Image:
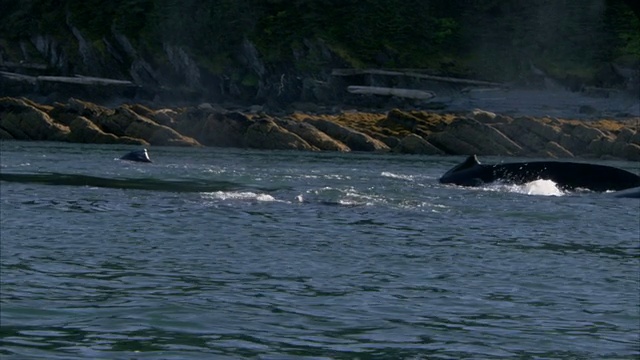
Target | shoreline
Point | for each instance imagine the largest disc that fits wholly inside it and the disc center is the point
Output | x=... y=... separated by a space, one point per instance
x=601 y=134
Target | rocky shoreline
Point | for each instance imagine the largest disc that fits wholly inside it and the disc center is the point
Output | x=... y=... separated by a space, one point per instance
x=403 y=131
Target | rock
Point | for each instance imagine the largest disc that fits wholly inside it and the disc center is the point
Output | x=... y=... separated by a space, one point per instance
x=635 y=138
x=166 y=117
x=631 y=152
x=532 y=135
x=66 y=113
x=625 y=135
x=125 y=122
x=215 y=129
x=555 y=150
x=390 y=141
x=85 y=131
x=584 y=133
x=312 y=135
x=355 y=140
x=483 y=116
x=5 y=135
x=480 y=138
x=415 y=132
x=415 y=144
x=397 y=119
x=22 y=121
x=266 y=134
x=578 y=138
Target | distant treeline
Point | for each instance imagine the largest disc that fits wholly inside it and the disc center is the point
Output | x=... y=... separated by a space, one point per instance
x=497 y=37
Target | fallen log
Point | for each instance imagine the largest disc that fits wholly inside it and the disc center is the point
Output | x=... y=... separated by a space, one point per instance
x=405 y=93
x=18 y=77
x=84 y=80
x=351 y=72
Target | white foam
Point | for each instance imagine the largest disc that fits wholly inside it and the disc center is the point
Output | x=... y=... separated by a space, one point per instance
x=542 y=187
x=396 y=176
x=536 y=187
x=238 y=195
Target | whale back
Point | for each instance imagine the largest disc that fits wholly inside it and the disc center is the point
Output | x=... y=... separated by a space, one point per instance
x=468 y=173
x=137 y=155
x=567 y=175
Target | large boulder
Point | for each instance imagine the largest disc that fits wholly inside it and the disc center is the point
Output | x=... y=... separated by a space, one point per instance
x=85 y=131
x=469 y=136
x=399 y=120
x=537 y=137
x=312 y=135
x=355 y=140
x=126 y=122
x=23 y=121
x=579 y=139
x=631 y=152
x=415 y=144
x=5 y=135
x=213 y=128
x=266 y=134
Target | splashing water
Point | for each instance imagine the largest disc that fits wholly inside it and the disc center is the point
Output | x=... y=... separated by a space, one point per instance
x=542 y=187
x=536 y=187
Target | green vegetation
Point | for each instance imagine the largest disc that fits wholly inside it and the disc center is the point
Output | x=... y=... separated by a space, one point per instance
x=491 y=39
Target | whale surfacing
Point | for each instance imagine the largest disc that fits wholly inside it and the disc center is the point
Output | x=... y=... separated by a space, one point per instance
x=137 y=155
x=567 y=175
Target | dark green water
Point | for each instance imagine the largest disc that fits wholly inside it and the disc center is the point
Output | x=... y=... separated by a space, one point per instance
x=231 y=254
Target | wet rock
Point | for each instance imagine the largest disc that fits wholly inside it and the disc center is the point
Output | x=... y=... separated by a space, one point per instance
x=555 y=150
x=126 y=122
x=214 y=128
x=470 y=135
x=266 y=134
x=532 y=135
x=312 y=135
x=631 y=152
x=355 y=140
x=415 y=144
x=23 y=121
x=397 y=119
x=483 y=116
x=85 y=131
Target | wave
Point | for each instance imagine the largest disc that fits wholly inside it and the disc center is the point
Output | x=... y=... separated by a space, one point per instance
x=536 y=187
x=182 y=185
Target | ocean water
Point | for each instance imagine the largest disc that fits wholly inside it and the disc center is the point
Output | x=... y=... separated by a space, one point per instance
x=239 y=254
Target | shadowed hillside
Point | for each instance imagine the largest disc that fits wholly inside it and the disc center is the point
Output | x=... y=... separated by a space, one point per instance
x=277 y=52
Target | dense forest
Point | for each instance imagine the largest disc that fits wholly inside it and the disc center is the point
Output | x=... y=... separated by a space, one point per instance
x=496 y=40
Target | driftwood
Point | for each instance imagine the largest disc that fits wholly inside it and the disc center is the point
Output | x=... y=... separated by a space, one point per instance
x=405 y=93
x=351 y=72
x=23 y=65
x=77 y=80
x=83 y=80
x=18 y=77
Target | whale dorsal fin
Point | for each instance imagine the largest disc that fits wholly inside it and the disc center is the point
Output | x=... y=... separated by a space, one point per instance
x=471 y=161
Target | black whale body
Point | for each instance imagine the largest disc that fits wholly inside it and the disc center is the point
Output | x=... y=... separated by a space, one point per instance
x=137 y=155
x=567 y=175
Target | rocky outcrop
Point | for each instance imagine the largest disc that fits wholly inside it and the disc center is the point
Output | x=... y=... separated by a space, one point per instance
x=78 y=121
x=415 y=132
x=23 y=120
x=85 y=131
x=473 y=137
x=355 y=140
x=313 y=136
x=266 y=134
x=415 y=144
x=213 y=128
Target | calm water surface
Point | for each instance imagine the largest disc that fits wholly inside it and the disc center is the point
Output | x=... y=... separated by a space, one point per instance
x=231 y=254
